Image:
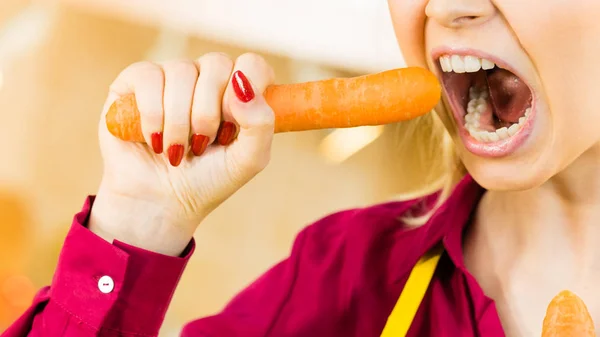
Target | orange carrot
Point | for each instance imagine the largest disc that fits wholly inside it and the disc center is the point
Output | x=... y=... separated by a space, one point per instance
x=383 y=98
x=567 y=316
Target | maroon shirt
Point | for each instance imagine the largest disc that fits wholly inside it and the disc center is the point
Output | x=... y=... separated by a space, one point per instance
x=342 y=278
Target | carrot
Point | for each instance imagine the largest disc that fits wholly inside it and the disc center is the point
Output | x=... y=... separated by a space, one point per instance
x=567 y=316
x=383 y=98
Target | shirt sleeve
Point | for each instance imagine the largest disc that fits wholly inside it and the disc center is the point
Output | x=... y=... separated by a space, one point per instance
x=103 y=289
x=109 y=290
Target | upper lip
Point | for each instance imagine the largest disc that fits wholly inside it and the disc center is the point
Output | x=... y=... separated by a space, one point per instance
x=438 y=52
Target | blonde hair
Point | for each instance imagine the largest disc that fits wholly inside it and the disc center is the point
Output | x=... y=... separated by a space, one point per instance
x=433 y=164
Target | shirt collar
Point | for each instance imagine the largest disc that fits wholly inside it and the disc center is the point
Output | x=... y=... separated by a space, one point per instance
x=457 y=212
x=445 y=226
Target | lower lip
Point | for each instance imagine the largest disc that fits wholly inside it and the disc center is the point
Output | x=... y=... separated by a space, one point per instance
x=497 y=149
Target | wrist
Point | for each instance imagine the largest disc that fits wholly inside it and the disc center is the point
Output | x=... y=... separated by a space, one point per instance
x=139 y=223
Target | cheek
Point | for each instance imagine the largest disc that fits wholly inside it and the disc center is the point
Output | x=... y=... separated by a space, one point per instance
x=562 y=40
x=408 y=17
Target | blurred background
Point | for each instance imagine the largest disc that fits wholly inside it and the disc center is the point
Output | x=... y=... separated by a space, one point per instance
x=57 y=59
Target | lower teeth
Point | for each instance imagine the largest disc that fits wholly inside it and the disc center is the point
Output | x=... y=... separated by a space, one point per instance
x=477 y=105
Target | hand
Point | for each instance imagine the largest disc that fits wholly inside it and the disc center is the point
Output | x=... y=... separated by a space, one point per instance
x=154 y=195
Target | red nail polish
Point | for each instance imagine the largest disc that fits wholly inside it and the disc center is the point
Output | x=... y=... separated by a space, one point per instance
x=242 y=87
x=175 y=152
x=157 y=142
x=199 y=143
x=226 y=133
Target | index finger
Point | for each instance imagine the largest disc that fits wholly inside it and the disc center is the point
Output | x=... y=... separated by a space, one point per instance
x=146 y=81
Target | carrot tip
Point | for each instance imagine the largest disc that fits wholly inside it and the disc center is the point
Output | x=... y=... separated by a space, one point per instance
x=567 y=315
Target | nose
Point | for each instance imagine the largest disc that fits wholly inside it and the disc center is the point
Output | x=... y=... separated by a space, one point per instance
x=459 y=13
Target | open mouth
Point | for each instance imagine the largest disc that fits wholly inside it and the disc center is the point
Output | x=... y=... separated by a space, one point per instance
x=492 y=105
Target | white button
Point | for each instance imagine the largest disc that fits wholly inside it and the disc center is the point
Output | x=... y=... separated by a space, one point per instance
x=106 y=284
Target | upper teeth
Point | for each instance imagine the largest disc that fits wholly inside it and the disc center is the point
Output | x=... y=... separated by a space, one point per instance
x=464 y=64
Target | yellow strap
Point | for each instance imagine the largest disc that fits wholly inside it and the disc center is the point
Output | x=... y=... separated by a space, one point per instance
x=410 y=299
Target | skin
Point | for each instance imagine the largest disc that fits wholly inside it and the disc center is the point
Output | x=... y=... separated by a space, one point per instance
x=536 y=228
x=142 y=199
x=537 y=223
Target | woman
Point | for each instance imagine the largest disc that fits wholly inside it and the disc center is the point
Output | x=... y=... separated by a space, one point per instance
x=521 y=225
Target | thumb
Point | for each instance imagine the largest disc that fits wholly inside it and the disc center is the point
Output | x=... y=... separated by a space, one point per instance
x=256 y=120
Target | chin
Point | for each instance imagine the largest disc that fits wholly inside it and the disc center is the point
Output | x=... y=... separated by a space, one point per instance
x=506 y=176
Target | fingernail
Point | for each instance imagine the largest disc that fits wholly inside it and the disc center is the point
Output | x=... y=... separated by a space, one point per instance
x=226 y=133
x=199 y=144
x=175 y=152
x=242 y=87
x=157 y=142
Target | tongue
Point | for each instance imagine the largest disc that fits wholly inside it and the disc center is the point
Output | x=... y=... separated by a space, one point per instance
x=510 y=97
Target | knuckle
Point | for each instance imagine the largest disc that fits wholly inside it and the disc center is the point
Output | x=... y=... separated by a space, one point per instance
x=255 y=164
x=268 y=117
x=139 y=72
x=176 y=131
x=252 y=59
x=258 y=63
x=151 y=119
x=217 y=60
x=247 y=165
x=178 y=126
x=263 y=125
x=145 y=67
x=207 y=123
x=115 y=87
x=180 y=68
x=263 y=118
